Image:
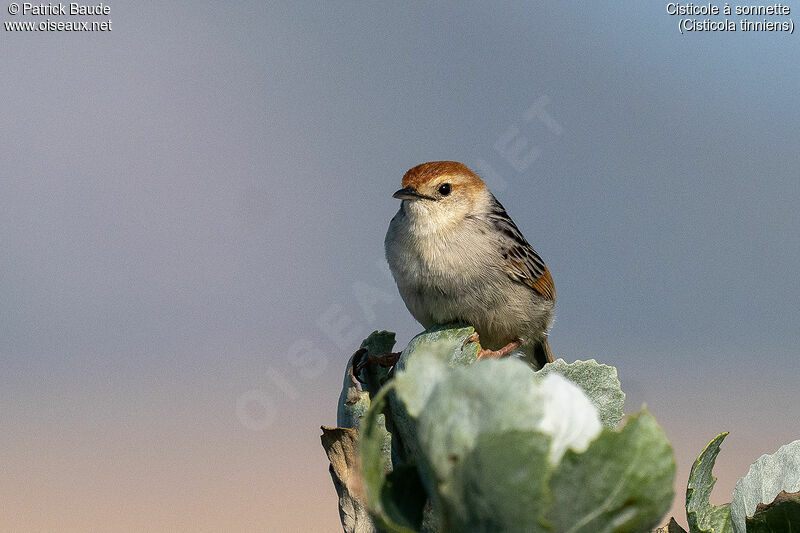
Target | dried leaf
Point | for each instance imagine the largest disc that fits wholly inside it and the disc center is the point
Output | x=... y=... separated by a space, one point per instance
x=341 y=446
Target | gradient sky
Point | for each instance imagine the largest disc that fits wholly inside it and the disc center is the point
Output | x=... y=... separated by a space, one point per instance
x=192 y=212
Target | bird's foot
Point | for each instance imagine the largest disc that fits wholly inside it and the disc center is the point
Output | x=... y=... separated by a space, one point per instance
x=502 y=352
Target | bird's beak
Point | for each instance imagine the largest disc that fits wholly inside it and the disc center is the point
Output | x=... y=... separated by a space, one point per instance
x=410 y=193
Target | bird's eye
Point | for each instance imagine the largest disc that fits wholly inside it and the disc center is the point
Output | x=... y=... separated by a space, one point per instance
x=444 y=189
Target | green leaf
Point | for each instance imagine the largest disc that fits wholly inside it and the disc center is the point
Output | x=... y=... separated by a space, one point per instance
x=403 y=495
x=599 y=382
x=379 y=342
x=782 y=515
x=495 y=445
x=447 y=339
x=701 y=515
x=422 y=366
x=489 y=436
x=768 y=476
x=390 y=512
x=494 y=396
x=622 y=482
x=354 y=399
x=570 y=418
x=488 y=397
x=374 y=376
x=500 y=485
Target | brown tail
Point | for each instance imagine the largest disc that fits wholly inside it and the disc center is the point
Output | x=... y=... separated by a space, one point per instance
x=542 y=354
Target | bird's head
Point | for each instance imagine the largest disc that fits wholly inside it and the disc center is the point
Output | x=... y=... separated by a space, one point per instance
x=441 y=193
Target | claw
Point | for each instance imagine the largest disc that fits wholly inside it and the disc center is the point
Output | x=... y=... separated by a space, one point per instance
x=472 y=338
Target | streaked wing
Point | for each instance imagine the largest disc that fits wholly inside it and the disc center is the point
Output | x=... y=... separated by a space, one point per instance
x=521 y=261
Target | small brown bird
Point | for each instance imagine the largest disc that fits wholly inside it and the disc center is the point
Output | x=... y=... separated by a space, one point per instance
x=457 y=256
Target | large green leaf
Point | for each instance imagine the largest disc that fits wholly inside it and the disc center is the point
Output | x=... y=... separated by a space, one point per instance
x=498 y=447
x=494 y=396
x=422 y=366
x=424 y=363
x=500 y=485
x=701 y=515
x=622 y=483
x=489 y=436
x=599 y=382
x=767 y=477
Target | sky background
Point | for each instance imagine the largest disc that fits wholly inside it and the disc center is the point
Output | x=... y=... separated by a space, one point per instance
x=193 y=206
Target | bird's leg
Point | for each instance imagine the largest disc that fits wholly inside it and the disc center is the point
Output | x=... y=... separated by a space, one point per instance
x=492 y=354
x=502 y=352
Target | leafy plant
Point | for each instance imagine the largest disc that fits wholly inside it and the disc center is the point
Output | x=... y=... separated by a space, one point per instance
x=450 y=443
x=766 y=500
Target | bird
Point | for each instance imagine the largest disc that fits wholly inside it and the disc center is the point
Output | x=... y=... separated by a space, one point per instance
x=458 y=257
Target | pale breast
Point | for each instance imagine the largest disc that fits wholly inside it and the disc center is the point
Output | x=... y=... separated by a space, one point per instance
x=449 y=276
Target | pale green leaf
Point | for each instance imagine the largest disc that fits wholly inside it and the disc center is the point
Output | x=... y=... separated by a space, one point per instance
x=622 y=483
x=500 y=485
x=423 y=364
x=768 y=476
x=599 y=382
